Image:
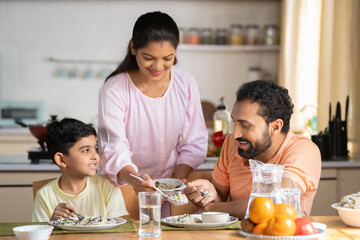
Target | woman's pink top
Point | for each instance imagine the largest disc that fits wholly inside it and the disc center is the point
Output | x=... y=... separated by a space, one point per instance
x=153 y=135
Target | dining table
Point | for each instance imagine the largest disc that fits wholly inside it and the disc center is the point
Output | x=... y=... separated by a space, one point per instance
x=335 y=230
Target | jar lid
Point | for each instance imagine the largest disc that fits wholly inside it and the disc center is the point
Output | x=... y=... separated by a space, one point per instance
x=271 y=26
x=251 y=26
x=236 y=26
x=254 y=68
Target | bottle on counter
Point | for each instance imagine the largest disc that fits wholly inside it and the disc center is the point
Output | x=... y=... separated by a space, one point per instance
x=222 y=118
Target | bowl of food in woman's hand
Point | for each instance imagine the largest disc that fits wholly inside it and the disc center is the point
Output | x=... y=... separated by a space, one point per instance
x=349 y=209
x=33 y=232
x=215 y=217
x=169 y=185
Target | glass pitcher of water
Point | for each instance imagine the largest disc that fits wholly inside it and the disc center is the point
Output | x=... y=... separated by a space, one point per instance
x=267 y=180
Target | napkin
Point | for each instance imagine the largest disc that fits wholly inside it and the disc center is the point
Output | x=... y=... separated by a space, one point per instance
x=6 y=228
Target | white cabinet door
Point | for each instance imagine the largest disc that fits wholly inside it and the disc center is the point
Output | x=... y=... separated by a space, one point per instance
x=326 y=194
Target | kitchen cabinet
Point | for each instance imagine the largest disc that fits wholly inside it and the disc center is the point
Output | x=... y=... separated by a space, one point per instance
x=16 y=193
x=334 y=184
x=326 y=194
x=348 y=181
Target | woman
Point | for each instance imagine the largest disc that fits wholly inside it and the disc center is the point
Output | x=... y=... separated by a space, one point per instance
x=150 y=117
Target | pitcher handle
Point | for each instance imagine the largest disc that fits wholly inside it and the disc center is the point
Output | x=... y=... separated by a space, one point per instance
x=290 y=176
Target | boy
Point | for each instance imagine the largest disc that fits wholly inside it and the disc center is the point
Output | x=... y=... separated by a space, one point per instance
x=73 y=147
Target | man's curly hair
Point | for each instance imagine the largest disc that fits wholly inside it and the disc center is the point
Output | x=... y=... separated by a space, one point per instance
x=275 y=102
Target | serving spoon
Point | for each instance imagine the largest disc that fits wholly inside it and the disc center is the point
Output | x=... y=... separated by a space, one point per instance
x=171 y=199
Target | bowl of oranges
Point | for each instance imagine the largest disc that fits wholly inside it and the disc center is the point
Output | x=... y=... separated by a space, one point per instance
x=267 y=220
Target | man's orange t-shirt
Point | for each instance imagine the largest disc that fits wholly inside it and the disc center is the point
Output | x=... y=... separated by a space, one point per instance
x=299 y=155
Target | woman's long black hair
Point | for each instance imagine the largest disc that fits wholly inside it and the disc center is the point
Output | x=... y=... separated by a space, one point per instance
x=148 y=28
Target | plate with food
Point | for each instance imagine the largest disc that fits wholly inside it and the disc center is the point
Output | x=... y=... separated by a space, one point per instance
x=194 y=221
x=321 y=230
x=89 y=223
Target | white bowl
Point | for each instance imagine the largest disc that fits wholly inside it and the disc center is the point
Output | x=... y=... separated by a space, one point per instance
x=33 y=232
x=349 y=216
x=215 y=217
x=171 y=181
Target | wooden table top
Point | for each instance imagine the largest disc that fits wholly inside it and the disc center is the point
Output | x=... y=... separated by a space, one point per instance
x=336 y=229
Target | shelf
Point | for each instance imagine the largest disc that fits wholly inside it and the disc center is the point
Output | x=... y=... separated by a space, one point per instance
x=80 y=61
x=242 y=48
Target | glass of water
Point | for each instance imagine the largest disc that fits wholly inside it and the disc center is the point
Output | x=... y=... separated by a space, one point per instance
x=150 y=214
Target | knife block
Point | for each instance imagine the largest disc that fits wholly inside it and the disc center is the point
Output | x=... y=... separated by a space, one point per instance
x=338 y=138
x=323 y=143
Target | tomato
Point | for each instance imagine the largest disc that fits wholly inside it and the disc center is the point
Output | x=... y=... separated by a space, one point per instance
x=282 y=208
x=218 y=138
x=304 y=226
x=261 y=209
x=281 y=225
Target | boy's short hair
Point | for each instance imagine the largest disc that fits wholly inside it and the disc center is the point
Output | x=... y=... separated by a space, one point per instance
x=61 y=136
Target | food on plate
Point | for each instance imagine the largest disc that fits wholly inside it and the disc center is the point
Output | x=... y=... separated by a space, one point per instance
x=281 y=225
x=166 y=186
x=282 y=208
x=185 y=219
x=178 y=198
x=247 y=225
x=351 y=201
x=88 y=221
x=261 y=209
x=304 y=226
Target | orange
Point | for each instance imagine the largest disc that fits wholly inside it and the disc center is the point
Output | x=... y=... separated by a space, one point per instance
x=260 y=228
x=261 y=209
x=282 y=208
x=281 y=225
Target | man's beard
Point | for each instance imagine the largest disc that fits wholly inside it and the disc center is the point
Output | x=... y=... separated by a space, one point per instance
x=260 y=146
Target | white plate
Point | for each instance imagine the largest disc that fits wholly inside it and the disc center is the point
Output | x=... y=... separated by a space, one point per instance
x=119 y=221
x=319 y=226
x=197 y=225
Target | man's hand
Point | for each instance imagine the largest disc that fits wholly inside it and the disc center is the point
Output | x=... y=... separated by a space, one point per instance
x=193 y=189
x=63 y=210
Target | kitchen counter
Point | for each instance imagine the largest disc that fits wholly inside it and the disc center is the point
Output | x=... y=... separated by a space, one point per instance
x=210 y=162
x=21 y=163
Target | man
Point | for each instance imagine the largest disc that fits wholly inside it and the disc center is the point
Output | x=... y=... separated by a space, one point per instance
x=261 y=114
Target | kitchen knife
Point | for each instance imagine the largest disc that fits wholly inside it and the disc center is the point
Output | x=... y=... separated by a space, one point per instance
x=346 y=108
x=329 y=112
x=338 y=112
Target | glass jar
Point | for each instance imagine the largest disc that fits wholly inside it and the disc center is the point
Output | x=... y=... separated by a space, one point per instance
x=237 y=34
x=206 y=36
x=254 y=73
x=252 y=35
x=271 y=35
x=193 y=36
x=221 y=36
x=181 y=35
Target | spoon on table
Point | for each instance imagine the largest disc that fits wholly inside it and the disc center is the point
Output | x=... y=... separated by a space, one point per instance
x=176 y=198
